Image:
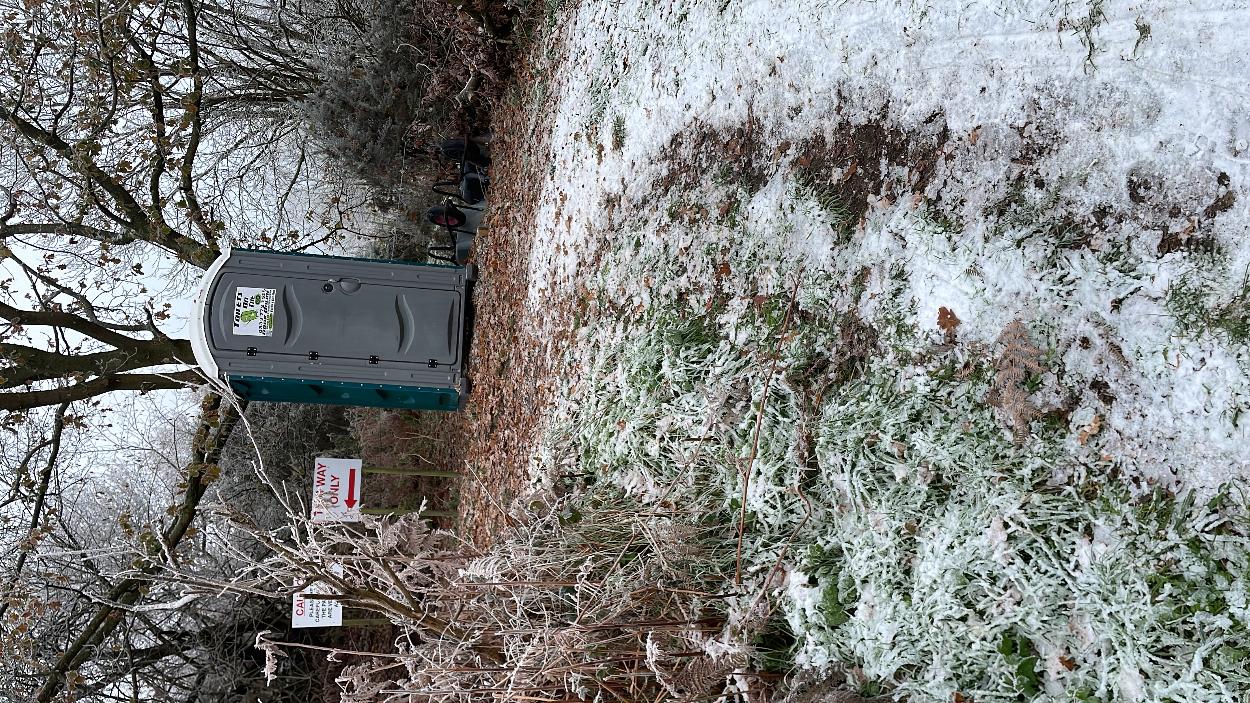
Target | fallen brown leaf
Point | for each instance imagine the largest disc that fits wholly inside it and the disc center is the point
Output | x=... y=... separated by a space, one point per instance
x=1093 y=428
x=948 y=322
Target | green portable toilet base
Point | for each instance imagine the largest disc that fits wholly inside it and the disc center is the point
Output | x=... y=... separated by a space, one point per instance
x=294 y=390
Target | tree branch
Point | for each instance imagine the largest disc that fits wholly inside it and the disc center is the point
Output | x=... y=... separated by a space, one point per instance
x=84 y=164
x=41 y=495
x=66 y=320
x=68 y=228
x=191 y=105
x=97 y=386
x=32 y=364
x=134 y=217
x=85 y=305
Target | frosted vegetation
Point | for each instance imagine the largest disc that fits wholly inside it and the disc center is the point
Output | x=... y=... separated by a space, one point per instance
x=944 y=308
x=911 y=356
x=923 y=546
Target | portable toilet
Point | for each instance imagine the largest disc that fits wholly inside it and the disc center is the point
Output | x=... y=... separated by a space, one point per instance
x=303 y=328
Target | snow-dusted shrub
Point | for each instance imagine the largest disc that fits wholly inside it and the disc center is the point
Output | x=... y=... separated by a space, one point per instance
x=287 y=437
x=393 y=82
x=593 y=595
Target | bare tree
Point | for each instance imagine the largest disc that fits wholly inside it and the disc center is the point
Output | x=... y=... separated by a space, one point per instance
x=125 y=165
x=86 y=619
x=131 y=151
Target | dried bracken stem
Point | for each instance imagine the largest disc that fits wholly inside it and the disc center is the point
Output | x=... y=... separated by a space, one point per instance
x=624 y=603
x=759 y=421
x=807 y=515
x=1019 y=360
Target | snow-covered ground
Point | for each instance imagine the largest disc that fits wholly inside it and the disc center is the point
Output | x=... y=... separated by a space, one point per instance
x=801 y=233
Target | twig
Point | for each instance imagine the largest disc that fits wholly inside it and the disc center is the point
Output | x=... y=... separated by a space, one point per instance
x=469 y=90
x=336 y=650
x=759 y=421
x=776 y=565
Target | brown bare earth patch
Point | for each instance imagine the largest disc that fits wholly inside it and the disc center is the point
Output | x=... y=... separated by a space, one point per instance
x=852 y=164
x=510 y=362
x=1195 y=236
x=510 y=365
x=700 y=151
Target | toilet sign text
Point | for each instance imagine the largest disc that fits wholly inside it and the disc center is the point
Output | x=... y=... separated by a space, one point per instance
x=253 y=311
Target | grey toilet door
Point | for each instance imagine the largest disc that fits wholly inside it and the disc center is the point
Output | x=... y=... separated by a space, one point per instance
x=337 y=318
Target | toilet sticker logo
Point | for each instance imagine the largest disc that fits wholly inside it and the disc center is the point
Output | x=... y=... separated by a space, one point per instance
x=253 y=311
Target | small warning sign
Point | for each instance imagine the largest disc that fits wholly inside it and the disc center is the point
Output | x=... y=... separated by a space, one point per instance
x=336 y=490
x=317 y=612
x=253 y=311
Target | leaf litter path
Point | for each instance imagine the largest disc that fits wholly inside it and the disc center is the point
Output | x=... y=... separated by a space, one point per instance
x=515 y=352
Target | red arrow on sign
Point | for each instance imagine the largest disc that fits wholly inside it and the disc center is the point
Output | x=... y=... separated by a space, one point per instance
x=351 y=489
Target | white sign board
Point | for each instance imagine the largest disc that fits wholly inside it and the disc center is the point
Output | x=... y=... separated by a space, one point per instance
x=336 y=490
x=253 y=311
x=317 y=612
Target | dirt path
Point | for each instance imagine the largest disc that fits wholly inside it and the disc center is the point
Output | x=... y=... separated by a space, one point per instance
x=515 y=351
